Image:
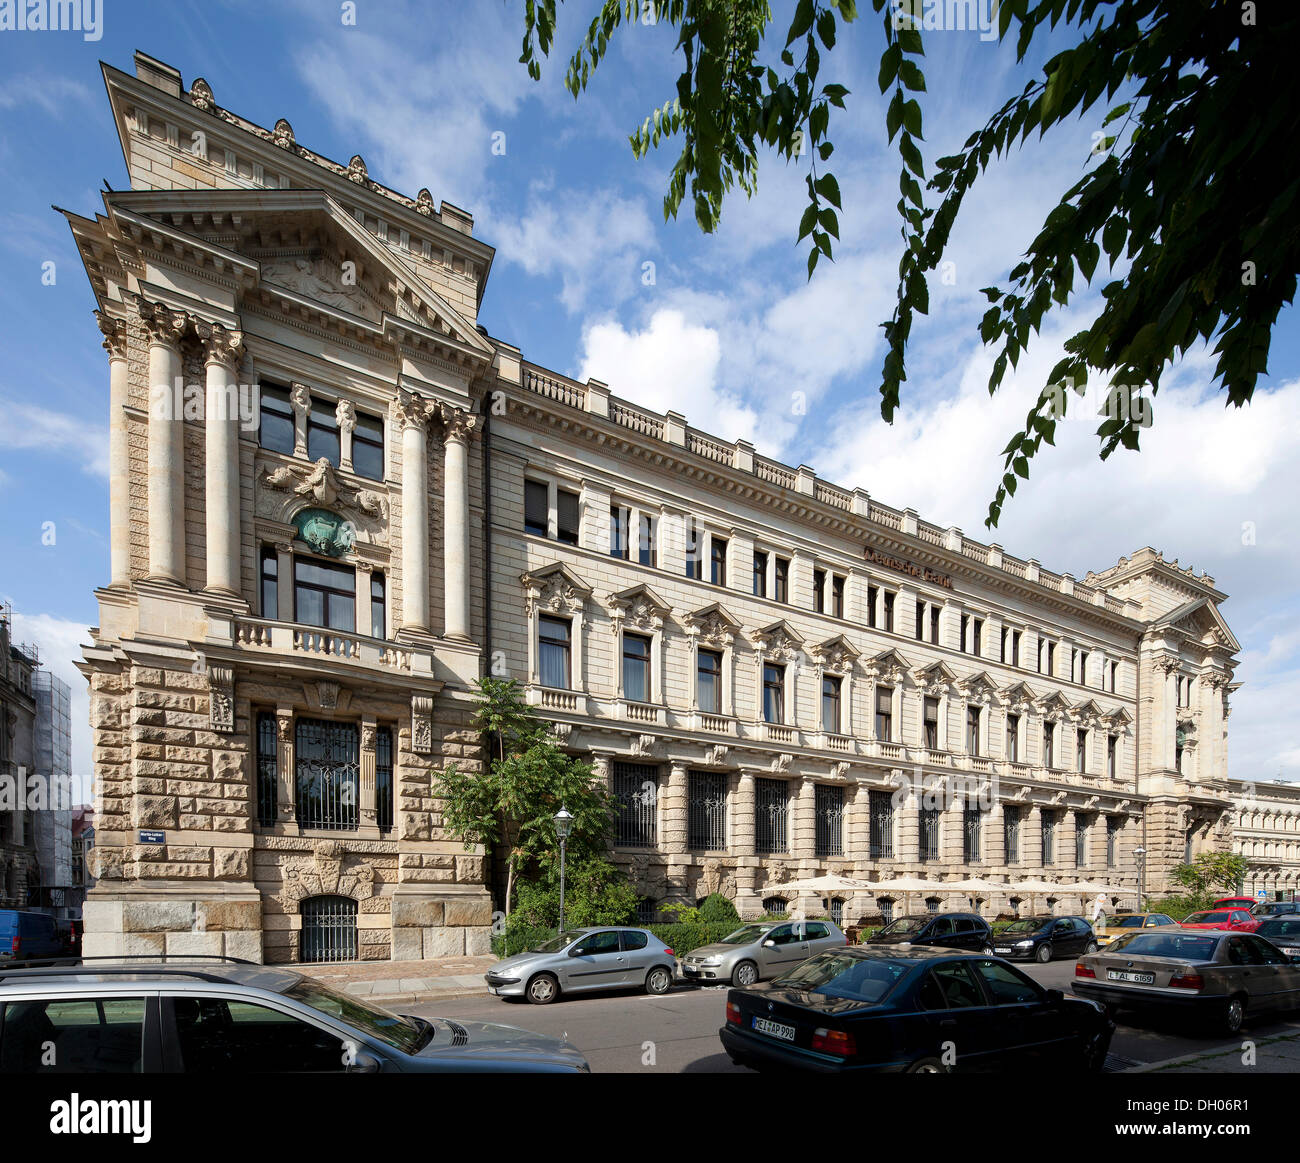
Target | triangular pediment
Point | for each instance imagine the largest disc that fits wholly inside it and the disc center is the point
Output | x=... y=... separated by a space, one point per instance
x=1088 y=709
x=1200 y=619
x=1118 y=715
x=936 y=675
x=554 y=587
x=1017 y=692
x=888 y=664
x=1054 y=701
x=978 y=683
x=639 y=606
x=779 y=631
x=712 y=625
x=837 y=653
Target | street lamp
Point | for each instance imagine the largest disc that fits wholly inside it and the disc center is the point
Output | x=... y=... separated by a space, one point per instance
x=563 y=826
x=1140 y=855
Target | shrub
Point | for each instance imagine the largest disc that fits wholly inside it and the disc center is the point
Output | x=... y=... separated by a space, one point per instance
x=681 y=938
x=717 y=909
x=596 y=892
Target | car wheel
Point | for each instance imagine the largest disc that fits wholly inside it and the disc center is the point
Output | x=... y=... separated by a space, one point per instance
x=1044 y=953
x=746 y=973
x=927 y=1066
x=658 y=980
x=1234 y=1013
x=1094 y=1054
x=1091 y=948
x=543 y=989
x=987 y=950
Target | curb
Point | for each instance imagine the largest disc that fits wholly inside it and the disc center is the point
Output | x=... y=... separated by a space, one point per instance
x=1202 y=1055
x=418 y=996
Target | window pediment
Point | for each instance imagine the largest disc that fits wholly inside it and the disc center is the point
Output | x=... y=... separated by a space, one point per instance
x=712 y=625
x=554 y=588
x=638 y=607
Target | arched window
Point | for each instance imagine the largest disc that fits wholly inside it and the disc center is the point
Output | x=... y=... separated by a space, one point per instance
x=774 y=905
x=329 y=929
x=646 y=910
x=886 y=906
x=837 y=910
x=932 y=904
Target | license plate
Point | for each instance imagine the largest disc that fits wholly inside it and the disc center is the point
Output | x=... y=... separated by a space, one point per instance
x=774 y=1029
x=1001 y=949
x=1135 y=978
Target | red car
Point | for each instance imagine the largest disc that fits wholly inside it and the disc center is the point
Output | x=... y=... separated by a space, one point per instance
x=1238 y=920
x=1234 y=902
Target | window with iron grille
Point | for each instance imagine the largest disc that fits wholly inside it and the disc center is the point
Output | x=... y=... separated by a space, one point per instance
x=837 y=910
x=771 y=801
x=267 y=769
x=328 y=759
x=706 y=811
x=828 y=806
x=636 y=793
x=882 y=825
x=929 y=834
x=886 y=909
x=972 y=823
x=646 y=910
x=384 y=778
x=1049 y=837
x=932 y=904
x=1113 y=826
x=1011 y=833
x=1080 y=841
x=329 y=929
x=774 y=905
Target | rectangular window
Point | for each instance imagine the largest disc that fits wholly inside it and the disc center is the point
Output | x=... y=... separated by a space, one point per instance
x=929 y=834
x=646 y=540
x=1015 y=648
x=567 y=516
x=1011 y=834
x=771 y=807
x=872 y=594
x=930 y=722
x=831 y=704
x=920 y=621
x=636 y=668
x=885 y=713
x=973 y=730
x=760 y=574
x=1114 y=675
x=1013 y=738
x=828 y=807
x=718 y=561
x=384 y=778
x=636 y=792
x=708 y=681
x=1002 y=648
x=1049 y=838
x=620 y=543
x=781 y=577
x=1080 y=842
x=977 y=637
x=1083 y=668
x=270 y=582
x=965 y=633
x=1112 y=750
x=1113 y=826
x=378 y=615
x=275 y=430
x=972 y=822
x=368 y=447
x=536 y=508
x=706 y=812
x=268 y=771
x=773 y=693
x=322 y=432
x=324 y=595
x=328 y=759
x=1081 y=750
x=889 y=612
x=1049 y=744
x=694 y=551
x=881 y=839
x=553 y=652
x=819 y=591
x=837 y=597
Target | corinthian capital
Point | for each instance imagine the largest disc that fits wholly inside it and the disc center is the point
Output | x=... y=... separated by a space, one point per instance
x=411 y=410
x=220 y=344
x=457 y=423
x=114 y=332
x=162 y=324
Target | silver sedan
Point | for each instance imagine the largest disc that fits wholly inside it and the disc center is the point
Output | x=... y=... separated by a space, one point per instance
x=581 y=960
x=762 y=949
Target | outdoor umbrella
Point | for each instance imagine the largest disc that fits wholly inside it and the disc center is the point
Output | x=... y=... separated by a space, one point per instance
x=1035 y=888
x=824 y=887
x=976 y=886
x=908 y=885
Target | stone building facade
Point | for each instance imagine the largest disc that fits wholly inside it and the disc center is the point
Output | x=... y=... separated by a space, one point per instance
x=778 y=677
x=19 y=862
x=1266 y=831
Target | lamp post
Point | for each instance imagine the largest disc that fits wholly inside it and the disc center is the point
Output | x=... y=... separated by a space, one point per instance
x=1140 y=855
x=563 y=826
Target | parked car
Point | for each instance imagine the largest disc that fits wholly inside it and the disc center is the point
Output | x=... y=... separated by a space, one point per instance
x=580 y=960
x=1234 y=902
x=947 y=930
x=887 y=1009
x=1122 y=924
x=761 y=950
x=1043 y=938
x=1238 y=920
x=1215 y=975
x=1276 y=908
x=1283 y=931
x=70 y=935
x=27 y=935
x=224 y=1017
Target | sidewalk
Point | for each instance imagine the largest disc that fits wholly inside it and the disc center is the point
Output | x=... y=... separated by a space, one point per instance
x=387 y=982
x=1278 y=1054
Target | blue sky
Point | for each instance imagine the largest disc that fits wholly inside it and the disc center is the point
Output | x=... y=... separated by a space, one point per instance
x=728 y=330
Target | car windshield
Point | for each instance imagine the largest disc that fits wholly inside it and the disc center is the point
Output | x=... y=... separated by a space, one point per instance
x=1184 y=946
x=555 y=944
x=905 y=925
x=1031 y=925
x=405 y=1034
x=1279 y=929
x=745 y=935
x=1126 y=922
x=1206 y=919
x=866 y=979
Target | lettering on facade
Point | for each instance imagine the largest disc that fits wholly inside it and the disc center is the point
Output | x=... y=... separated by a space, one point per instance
x=900 y=566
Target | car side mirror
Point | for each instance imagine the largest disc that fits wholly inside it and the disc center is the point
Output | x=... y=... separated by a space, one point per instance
x=1055 y=997
x=363 y=1062
x=769 y=944
x=576 y=951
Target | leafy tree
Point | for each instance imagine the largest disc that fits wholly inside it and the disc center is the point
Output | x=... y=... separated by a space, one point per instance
x=511 y=806
x=1190 y=196
x=596 y=892
x=1210 y=871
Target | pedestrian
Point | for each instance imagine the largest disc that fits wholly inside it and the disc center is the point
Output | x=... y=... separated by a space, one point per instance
x=1098 y=912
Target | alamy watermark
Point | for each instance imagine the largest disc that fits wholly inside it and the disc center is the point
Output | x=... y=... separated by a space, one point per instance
x=31 y=791
x=948 y=16
x=83 y=16
x=182 y=401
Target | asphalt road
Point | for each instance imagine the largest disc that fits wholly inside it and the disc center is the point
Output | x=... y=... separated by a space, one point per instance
x=676 y=1033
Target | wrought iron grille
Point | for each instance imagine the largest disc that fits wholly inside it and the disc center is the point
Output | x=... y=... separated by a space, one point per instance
x=771 y=807
x=707 y=810
x=971 y=822
x=828 y=805
x=837 y=911
x=328 y=758
x=1011 y=834
x=267 y=769
x=886 y=909
x=1113 y=826
x=1049 y=837
x=636 y=793
x=929 y=833
x=882 y=825
x=775 y=905
x=329 y=929
x=1080 y=842
x=384 y=778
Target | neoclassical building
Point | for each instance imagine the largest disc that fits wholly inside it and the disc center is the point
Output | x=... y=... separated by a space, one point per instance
x=336 y=501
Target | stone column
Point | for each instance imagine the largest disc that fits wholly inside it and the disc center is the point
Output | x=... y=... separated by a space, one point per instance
x=994 y=838
x=345 y=415
x=674 y=817
x=803 y=837
x=166 y=490
x=1066 y=835
x=1031 y=841
x=907 y=829
x=857 y=822
x=413 y=414
x=119 y=497
x=221 y=352
x=458 y=427
x=366 y=816
x=742 y=820
x=286 y=791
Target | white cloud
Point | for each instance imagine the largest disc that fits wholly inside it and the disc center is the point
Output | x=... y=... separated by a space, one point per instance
x=50 y=93
x=31 y=428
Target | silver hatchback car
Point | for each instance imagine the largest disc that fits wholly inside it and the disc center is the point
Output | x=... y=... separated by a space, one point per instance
x=579 y=960
x=761 y=949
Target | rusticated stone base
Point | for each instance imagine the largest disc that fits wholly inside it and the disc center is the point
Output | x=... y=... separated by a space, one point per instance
x=444 y=920
x=176 y=918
